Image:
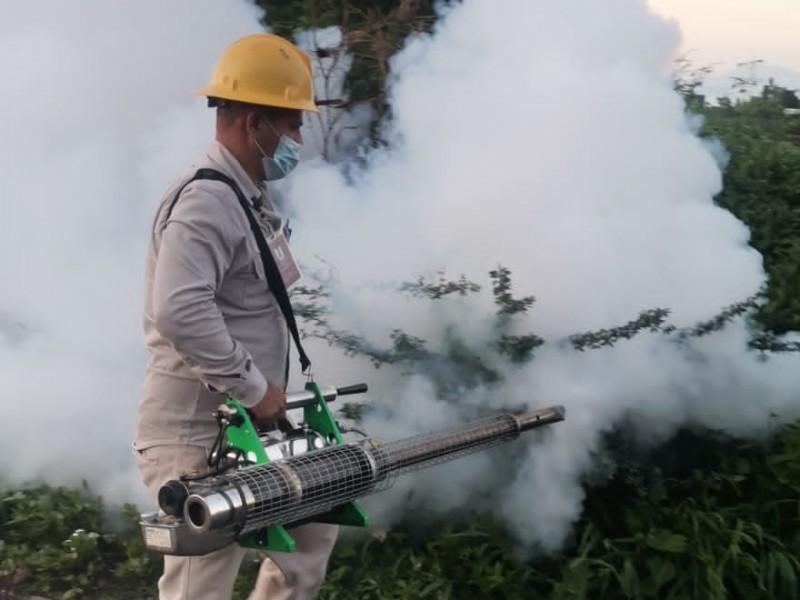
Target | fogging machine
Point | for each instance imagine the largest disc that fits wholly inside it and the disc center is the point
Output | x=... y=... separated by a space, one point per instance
x=262 y=483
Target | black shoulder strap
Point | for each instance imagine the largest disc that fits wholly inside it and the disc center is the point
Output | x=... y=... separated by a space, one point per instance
x=274 y=278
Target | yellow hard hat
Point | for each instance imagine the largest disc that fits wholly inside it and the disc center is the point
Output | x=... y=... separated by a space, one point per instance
x=263 y=69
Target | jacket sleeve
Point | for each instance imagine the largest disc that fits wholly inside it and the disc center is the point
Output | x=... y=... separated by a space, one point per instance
x=196 y=250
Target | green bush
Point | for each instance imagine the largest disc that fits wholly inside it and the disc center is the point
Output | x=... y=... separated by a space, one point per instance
x=59 y=541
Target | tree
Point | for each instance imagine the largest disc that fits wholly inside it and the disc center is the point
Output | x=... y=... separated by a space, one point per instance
x=372 y=31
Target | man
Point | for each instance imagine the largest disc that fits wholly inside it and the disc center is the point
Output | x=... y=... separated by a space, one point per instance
x=212 y=325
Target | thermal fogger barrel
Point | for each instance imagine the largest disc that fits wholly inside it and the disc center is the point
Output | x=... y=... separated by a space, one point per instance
x=298 y=488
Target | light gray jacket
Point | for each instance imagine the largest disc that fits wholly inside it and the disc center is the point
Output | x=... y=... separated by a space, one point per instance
x=210 y=323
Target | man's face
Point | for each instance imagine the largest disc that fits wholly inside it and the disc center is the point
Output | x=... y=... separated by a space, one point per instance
x=270 y=128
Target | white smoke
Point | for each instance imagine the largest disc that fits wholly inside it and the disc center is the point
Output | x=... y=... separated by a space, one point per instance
x=548 y=139
x=540 y=136
x=97 y=118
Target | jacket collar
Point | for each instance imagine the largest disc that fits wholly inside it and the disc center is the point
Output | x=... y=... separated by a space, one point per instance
x=223 y=158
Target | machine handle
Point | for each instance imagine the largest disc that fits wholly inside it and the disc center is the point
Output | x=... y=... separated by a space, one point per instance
x=304 y=398
x=356 y=388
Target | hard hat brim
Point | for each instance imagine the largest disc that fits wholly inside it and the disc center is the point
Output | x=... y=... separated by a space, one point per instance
x=260 y=100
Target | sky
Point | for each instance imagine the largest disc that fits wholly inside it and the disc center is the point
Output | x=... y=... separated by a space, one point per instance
x=733 y=31
x=494 y=159
x=723 y=33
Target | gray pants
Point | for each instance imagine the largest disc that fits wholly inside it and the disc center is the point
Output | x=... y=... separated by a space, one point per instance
x=283 y=575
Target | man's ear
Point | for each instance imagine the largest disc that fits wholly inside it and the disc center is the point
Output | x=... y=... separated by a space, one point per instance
x=252 y=120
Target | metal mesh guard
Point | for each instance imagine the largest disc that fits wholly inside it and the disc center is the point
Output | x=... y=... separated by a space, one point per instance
x=304 y=486
x=435 y=448
x=309 y=484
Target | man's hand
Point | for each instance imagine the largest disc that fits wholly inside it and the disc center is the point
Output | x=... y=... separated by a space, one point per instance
x=271 y=408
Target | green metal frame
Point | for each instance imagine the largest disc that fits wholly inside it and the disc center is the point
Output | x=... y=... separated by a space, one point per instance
x=244 y=437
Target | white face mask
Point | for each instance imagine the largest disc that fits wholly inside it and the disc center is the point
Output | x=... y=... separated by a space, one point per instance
x=283 y=160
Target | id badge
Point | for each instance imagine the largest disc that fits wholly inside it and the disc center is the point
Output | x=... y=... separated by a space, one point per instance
x=287 y=266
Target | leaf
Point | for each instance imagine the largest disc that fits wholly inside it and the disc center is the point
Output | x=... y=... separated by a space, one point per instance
x=661 y=571
x=629 y=580
x=666 y=541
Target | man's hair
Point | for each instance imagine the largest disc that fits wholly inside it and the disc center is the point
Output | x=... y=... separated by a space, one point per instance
x=230 y=109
